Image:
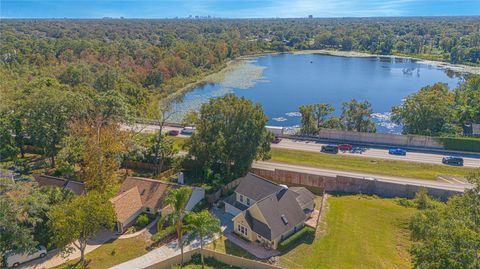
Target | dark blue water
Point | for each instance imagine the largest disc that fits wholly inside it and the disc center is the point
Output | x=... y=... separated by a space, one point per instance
x=292 y=80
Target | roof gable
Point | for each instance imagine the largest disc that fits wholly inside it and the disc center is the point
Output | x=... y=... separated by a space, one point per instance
x=281 y=212
x=152 y=192
x=256 y=187
x=127 y=204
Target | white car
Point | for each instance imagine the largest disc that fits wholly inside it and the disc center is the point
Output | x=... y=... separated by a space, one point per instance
x=14 y=259
x=188 y=130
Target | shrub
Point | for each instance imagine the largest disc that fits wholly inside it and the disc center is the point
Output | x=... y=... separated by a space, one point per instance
x=142 y=220
x=461 y=143
x=161 y=223
x=405 y=202
x=303 y=233
x=163 y=233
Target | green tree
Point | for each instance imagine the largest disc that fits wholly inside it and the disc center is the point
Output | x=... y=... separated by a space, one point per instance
x=467 y=101
x=8 y=148
x=308 y=120
x=79 y=220
x=14 y=236
x=321 y=111
x=230 y=134
x=202 y=225
x=49 y=110
x=426 y=112
x=449 y=236
x=357 y=116
x=178 y=199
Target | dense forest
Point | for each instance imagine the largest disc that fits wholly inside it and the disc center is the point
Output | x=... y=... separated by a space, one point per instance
x=138 y=59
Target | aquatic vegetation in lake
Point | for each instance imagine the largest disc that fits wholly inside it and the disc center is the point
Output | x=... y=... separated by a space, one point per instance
x=279 y=119
x=241 y=75
x=293 y=114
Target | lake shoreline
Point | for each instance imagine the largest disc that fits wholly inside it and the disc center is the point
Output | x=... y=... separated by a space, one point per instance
x=460 y=68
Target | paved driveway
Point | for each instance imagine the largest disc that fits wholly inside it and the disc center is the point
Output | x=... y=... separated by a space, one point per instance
x=225 y=219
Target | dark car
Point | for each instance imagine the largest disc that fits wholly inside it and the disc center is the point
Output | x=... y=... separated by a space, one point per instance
x=345 y=147
x=330 y=149
x=401 y=152
x=452 y=160
x=173 y=132
x=276 y=140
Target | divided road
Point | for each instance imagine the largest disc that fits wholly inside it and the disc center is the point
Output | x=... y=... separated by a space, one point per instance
x=314 y=146
x=431 y=158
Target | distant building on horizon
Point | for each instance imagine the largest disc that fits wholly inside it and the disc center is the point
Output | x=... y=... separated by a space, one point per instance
x=310 y=16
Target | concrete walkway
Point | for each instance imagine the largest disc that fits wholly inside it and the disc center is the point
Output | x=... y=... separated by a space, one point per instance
x=150 y=227
x=55 y=257
x=159 y=254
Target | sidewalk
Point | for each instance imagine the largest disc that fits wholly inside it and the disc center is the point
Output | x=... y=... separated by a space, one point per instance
x=159 y=254
x=55 y=257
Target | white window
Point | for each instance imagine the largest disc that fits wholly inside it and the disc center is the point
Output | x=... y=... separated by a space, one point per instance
x=242 y=230
x=241 y=198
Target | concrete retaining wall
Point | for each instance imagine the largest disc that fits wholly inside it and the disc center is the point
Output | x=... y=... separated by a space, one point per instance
x=353 y=185
x=221 y=257
x=377 y=138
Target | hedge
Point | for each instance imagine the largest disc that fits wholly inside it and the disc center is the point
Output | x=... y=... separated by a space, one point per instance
x=294 y=238
x=461 y=143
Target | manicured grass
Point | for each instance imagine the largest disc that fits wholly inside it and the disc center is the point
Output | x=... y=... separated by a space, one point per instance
x=225 y=246
x=367 y=165
x=112 y=253
x=361 y=232
x=210 y=263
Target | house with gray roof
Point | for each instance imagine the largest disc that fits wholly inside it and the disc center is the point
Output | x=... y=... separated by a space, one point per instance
x=267 y=212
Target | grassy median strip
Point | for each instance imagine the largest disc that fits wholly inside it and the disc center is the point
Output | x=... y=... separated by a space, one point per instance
x=361 y=232
x=367 y=165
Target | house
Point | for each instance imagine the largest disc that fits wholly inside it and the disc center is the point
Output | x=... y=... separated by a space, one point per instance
x=144 y=195
x=267 y=212
x=75 y=186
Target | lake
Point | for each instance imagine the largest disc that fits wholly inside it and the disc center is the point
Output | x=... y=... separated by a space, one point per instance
x=282 y=83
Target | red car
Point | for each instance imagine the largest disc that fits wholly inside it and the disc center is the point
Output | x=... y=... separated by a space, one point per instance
x=276 y=140
x=173 y=132
x=345 y=147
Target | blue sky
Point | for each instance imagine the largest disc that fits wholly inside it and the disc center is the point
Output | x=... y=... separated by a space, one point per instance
x=234 y=8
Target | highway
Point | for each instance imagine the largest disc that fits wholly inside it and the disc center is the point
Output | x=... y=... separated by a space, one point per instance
x=313 y=146
x=455 y=185
x=430 y=158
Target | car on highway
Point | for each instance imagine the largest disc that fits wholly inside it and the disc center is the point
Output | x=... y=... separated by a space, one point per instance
x=276 y=140
x=452 y=160
x=330 y=149
x=188 y=130
x=173 y=132
x=13 y=259
x=345 y=147
x=397 y=151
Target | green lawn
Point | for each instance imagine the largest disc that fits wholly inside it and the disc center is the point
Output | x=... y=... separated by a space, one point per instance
x=112 y=253
x=225 y=246
x=367 y=165
x=361 y=232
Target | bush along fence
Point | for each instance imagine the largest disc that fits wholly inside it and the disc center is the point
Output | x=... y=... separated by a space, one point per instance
x=461 y=143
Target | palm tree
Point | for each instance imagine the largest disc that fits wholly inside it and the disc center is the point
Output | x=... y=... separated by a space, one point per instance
x=201 y=224
x=178 y=199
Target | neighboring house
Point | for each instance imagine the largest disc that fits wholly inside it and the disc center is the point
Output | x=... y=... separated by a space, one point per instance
x=268 y=212
x=137 y=195
x=44 y=180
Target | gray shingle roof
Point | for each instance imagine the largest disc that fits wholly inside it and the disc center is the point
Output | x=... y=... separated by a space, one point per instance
x=283 y=203
x=304 y=196
x=256 y=187
x=232 y=200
